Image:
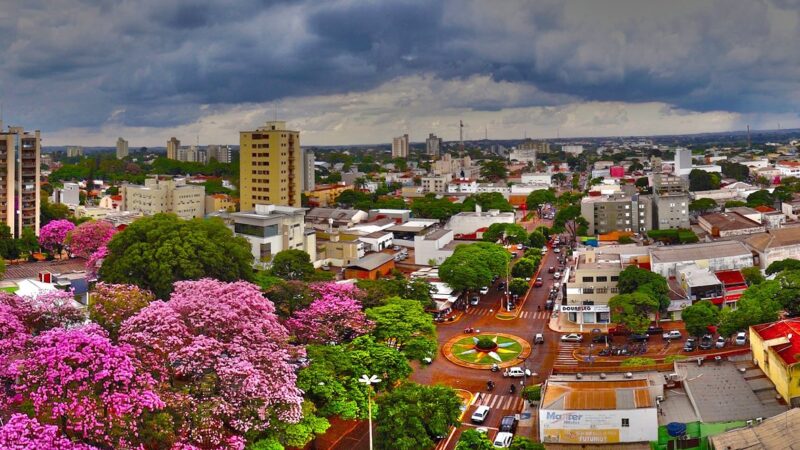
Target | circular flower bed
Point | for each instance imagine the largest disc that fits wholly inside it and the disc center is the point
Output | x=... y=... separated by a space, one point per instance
x=487 y=349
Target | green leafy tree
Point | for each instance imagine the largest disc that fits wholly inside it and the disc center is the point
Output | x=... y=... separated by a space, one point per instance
x=538 y=198
x=472 y=439
x=784 y=264
x=789 y=294
x=405 y=326
x=518 y=286
x=737 y=171
x=634 y=279
x=522 y=443
x=292 y=264
x=154 y=252
x=515 y=234
x=544 y=230
x=473 y=266
x=289 y=297
x=330 y=381
x=633 y=310
x=295 y=435
x=493 y=170
x=524 y=268
x=699 y=316
x=702 y=205
x=28 y=242
x=412 y=415
x=759 y=304
x=430 y=207
x=642 y=182
x=537 y=240
x=624 y=239
x=760 y=198
x=376 y=292
x=49 y=212
x=753 y=276
x=9 y=247
x=487 y=201
x=700 y=180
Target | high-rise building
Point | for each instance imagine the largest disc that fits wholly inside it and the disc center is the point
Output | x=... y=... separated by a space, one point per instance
x=433 y=145
x=122 y=148
x=270 y=166
x=192 y=154
x=20 y=199
x=172 y=147
x=309 y=160
x=165 y=195
x=74 y=151
x=222 y=153
x=618 y=212
x=400 y=147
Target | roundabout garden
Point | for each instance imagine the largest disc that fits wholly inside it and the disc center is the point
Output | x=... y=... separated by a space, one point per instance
x=486 y=349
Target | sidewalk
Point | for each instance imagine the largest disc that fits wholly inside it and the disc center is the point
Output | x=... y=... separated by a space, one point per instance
x=528 y=420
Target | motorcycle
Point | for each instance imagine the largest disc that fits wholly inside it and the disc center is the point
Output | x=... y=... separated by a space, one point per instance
x=512 y=389
x=495 y=368
x=468 y=330
x=489 y=385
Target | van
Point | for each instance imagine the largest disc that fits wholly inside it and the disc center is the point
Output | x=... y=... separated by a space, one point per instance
x=508 y=424
x=538 y=339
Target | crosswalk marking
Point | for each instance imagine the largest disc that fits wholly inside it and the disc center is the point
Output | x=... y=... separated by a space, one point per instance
x=564 y=357
x=499 y=401
x=531 y=315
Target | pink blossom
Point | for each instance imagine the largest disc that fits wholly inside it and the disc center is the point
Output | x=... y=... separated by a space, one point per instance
x=53 y=235
x=89 y=237
x=223 y=342
x=96 y=260
x=24 y=433
x=45 y=311
x=336 y=316
x=92 y=389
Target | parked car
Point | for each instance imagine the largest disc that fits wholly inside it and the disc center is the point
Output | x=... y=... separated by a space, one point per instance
x=557 y=275
x=691 y=345
x=520 y=246
x=706 y=342
x=619 y=330
x=544 y=250
x=638 y=337
x=508 y=424
x=474 y=300
x=480 y=414
x=741 y=338
x=538 y=339
x=484 y=290
x=551 y=270
x=395 y=247
x=556 y=250
x=514 y=372
x=549 y=304
x=503 y=440
x=538 y=282
x=672 y=334
x=501 y=286
x=601 y=339
x=572 y=337
x=652 y=330
x=720 y=342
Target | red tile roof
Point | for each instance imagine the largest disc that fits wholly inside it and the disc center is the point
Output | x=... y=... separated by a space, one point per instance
x=764 y=209
x=783 y=328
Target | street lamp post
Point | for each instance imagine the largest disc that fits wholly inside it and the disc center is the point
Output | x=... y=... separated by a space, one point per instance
x=508 y=276
x=369 y=381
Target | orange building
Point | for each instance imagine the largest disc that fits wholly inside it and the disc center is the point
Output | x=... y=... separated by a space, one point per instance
x=370 y=267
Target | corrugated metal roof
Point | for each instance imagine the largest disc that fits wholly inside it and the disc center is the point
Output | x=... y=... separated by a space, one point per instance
x=597 y=395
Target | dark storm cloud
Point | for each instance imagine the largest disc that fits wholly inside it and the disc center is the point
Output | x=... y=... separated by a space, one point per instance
x=155 y=62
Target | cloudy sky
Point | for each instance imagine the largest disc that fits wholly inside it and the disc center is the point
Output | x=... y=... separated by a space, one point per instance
x=359 y=72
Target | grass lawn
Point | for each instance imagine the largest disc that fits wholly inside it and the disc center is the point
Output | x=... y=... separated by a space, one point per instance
x=507 y=349
x=10 y=289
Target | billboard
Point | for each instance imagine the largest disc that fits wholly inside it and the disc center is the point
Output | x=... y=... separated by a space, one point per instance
x=608 y=426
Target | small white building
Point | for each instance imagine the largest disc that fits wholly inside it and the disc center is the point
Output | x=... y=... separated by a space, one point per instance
x=715 y=256
x=271 y=229
x=377 y=240
x=536 y=178
x=68 y=195
x=574 y=150
x=470 y=222
x=461 y=186
x=775 y=245
x=433 y=247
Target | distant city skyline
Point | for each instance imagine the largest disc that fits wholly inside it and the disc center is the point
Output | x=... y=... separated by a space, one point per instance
x=352 y=72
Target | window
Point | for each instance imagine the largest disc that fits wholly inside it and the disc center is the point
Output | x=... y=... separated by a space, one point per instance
x=626 y=422
x=614 y=278
x=601 y=279
x=588 y=279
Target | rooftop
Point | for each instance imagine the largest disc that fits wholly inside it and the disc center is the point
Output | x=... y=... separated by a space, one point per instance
x=438 y=234
x=776 y=238
x=730 y=277
x=331 y=213
x=729 y=221
x=371 y=262
x=268 y=211
x=783 y=337
x=597 y=395
x=774 y=433
x=695 y=252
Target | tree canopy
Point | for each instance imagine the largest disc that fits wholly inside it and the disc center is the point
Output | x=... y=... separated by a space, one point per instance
x=473 y=266
x=784 y=264
x=292 y=264
x=699 y=316
x=493 y=170
x=487 y=201
x=633 y=310
x=700 y=180
x=538 y=198
x=760 y=198
x=634 y=279
x=405 y=326
x=412 y=415
x=472 y=439
x=430 y=207
x=515 y=234
x=702 y=205
x=153 y=252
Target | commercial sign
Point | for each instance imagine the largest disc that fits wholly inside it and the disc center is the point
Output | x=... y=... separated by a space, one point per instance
x=598 y=426
x=585 y=308
x=583 y=436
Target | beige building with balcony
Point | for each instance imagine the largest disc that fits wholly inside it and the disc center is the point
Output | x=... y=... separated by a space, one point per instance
x=271 y=229
x=165 y=195
x=590 y=284
x=270 y=166
x=20 y=198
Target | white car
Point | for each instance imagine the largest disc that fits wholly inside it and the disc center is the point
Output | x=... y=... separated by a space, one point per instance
x=672 y=334
x=503 y=440
x=556 y=250
x=482 y=430
x=520 y=246
x=572 y=337
x=514 y=372
x=557 y=275
x=741 y=338
x=484 y=290
x=544 y=250
x=480 y=414
x=720 y=342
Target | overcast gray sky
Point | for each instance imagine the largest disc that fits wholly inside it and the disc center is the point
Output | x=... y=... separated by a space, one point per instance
x=353 y=72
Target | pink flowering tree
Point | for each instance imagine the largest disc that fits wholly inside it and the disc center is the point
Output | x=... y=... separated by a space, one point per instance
x=13 y=337
x=112 y=304
x=334 y=317
x=96 y=260
x=222 y=356
x=23 y=433
x=88 y=237
x=53 y=236
x=45 y=311
x=89 y=388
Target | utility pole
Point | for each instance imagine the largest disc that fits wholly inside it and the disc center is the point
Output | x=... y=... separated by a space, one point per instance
x=461 y=138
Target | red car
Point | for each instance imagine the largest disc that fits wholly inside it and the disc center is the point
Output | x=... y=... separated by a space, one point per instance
x=538 y=282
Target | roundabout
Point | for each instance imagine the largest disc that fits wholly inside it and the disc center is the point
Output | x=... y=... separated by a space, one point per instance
x=481 y=351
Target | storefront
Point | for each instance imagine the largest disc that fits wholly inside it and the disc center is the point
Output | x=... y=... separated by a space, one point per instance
x=587 y=314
